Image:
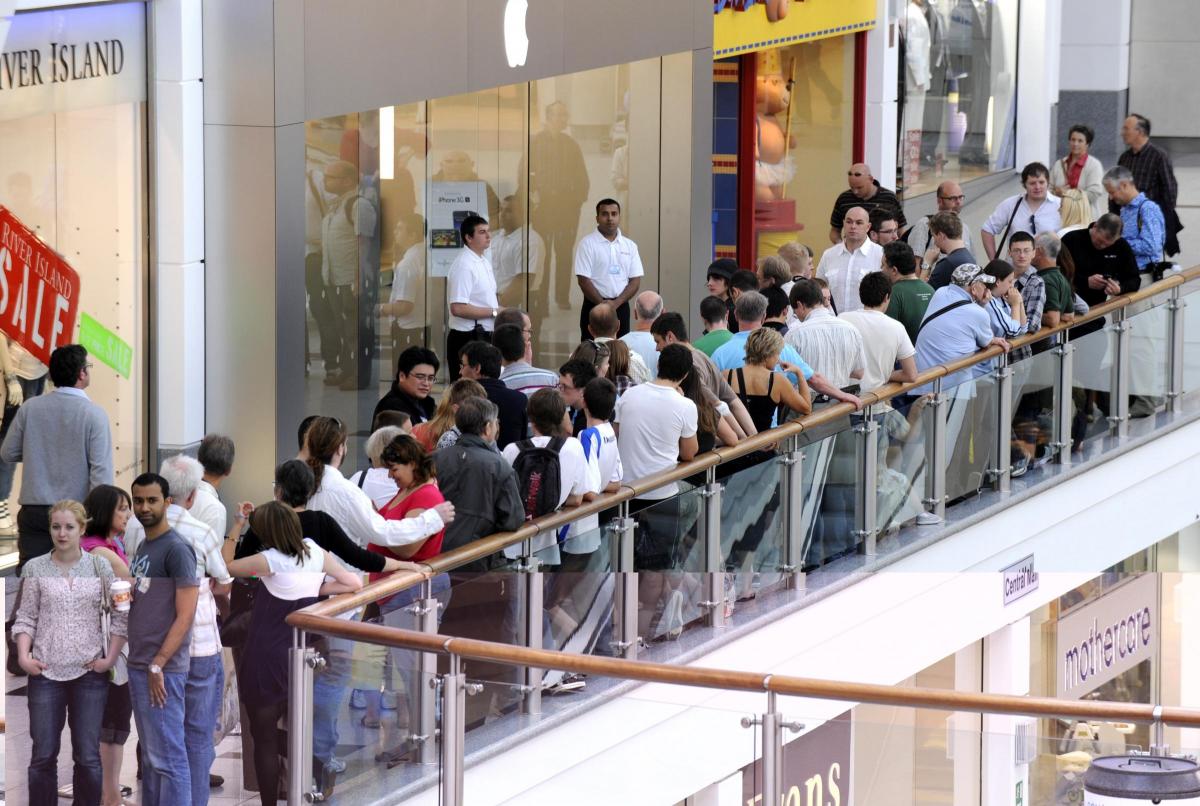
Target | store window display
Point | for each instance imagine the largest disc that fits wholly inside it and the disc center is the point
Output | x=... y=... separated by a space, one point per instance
x=956 y=90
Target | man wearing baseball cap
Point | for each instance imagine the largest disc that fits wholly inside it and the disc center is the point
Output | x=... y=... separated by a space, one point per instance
x=956 y=325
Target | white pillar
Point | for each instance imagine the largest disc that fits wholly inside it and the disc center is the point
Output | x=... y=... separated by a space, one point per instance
x=178 y=157
x=1037 y=80
x=882 y=54
x=1005 y=671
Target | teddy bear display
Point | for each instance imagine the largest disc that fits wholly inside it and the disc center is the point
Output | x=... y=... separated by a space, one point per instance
x=776 y=9
x=773 y=164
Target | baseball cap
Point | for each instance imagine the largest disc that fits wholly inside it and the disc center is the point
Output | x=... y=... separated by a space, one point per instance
x=969 y=273
x=723 y=267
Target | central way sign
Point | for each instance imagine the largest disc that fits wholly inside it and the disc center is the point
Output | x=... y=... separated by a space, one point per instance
x=39 y=292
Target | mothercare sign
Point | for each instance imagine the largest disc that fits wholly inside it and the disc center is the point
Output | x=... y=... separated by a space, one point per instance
x=54 y=61
x=1111 y=635
x=39 y=292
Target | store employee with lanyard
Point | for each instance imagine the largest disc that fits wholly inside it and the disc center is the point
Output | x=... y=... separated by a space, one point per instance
x=471 y=292
x=608 y=267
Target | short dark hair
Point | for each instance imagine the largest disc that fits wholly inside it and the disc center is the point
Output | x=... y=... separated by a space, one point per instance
x=674 y=362
x=412 y=356
x=672 y=322
x=474 y=414
x=874 y=289
x=607 y=203
x=216 y=454
x=510 y=316
x=579 y=371
x=1110 y=224
x=303 y=429
x=485 y=356
x=146 y=479
x=777 y=301
x=295 y=481
x=546 y=409
x=713 y=309
x=1020 y=237
x=947 y=223
x=999 y=269
x=469 y=224
x=405 y=450
x=1034 y=169
x=510 y=341
x=900 y=257
x=744 y=280
x=101 y=504
x=600 y=397
x=66 y=363
x=806 y=291
x=881 y=214
x=1086 y=131
x=399 y=419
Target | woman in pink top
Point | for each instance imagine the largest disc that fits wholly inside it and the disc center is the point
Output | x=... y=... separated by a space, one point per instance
x=108 y=509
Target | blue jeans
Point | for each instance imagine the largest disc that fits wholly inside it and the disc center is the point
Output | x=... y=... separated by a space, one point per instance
x=8 y=470
x=81 y=703
x=329 y=689
x=202 y=697
x=166 y=778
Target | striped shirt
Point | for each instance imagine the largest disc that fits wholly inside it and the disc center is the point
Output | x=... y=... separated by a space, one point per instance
x=522 y=377
x=1152 y=173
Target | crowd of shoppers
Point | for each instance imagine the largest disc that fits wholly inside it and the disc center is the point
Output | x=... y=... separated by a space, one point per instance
x=130 y=598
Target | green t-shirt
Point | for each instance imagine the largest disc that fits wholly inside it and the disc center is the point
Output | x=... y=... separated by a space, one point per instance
x=910 y=298
x=709 y=343
x=1059 y=295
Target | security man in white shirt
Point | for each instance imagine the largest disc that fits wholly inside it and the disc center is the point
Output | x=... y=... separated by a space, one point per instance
x=607 y=267
x=845 y=263
x=471 y=292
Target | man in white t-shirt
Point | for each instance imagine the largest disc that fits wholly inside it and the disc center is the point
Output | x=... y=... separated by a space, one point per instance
x=885 y=341
x=547 y=416
x=406 y=303
x=608 y=267
x=470 y=292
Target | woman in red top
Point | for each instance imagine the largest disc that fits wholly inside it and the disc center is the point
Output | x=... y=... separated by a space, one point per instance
x=413 y=471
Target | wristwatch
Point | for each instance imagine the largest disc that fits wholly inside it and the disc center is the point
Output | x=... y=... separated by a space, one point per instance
x=495 y=312
x=154 y=668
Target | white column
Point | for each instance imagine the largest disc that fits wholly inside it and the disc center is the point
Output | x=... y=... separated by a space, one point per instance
x=1095 y=45
x=882 y=54
x=1037 y=80
x=1005 y=671
x=178 y=198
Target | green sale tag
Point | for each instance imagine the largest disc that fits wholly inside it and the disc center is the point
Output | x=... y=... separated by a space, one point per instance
x=105 y=345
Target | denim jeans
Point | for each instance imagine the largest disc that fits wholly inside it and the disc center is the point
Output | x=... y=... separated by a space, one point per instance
x=329 y=690
x=204 y=688
x=80 y=703
x=166 y=779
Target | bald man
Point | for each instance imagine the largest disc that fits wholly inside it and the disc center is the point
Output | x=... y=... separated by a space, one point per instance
x=865 y=192
x=845 y=263
x=647 y=306
x=950 y=199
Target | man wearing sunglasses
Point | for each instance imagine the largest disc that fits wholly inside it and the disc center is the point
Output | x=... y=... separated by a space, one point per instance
x=865 y=192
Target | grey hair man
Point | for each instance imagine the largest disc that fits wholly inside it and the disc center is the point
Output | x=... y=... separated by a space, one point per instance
x=1152 y=172
x=647 y=307
x=216 y=454
x=375 y=480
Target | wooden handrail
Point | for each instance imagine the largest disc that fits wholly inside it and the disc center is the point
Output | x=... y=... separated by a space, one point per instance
x=731 y=680
x=492 y=544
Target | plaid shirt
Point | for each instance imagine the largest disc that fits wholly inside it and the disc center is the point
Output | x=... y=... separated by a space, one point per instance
x=1152 y=173
x=1033 y=295
x=623 y=383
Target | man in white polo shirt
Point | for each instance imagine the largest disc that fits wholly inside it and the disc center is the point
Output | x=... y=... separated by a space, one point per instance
x=471 y=292
x=607 y=267
x=845 y=263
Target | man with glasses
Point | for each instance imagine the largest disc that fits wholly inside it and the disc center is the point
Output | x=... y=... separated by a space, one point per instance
x=416 y=370
x=65 y=446
x=950 y=198
x=865 y=192
x=1031 y=285
x=884 y=227
x=572 y=377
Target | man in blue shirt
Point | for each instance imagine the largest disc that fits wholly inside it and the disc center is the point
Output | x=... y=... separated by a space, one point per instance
x=1145 y=228
x=957 y=325
x=751 y=311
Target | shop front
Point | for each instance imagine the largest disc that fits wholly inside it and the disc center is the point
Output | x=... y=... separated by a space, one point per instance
x=73 y=167
x=787 y=120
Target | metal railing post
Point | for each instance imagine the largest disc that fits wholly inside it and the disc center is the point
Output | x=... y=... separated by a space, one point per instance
x=1118 y=415
x=791 y=471
x=772 y=744
x=935 y=461
x=1065 y=383
x=454 y=706
x=1175 y=310
x=866 y=445
x=1001 y=473
x=529 y=586
x=714 y=562
x=303 y=660
x=423 y=723
x=625 y=606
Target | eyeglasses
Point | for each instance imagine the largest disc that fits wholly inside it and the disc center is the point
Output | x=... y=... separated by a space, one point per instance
x=889 y=231
x=957 y=198
x=563 y=387
x=422 y=378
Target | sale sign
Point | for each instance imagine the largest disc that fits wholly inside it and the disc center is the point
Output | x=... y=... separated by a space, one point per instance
x=39 y=292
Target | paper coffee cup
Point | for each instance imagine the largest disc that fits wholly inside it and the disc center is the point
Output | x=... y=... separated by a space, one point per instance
x=122 y=595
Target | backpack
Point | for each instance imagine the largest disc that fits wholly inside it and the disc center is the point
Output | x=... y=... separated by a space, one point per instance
x=539 y=476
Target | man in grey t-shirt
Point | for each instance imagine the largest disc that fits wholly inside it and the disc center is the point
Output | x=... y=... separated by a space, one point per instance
x=165 y=592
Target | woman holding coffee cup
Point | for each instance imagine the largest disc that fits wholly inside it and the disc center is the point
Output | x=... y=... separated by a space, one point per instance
x=58 y=631
x=108 y=509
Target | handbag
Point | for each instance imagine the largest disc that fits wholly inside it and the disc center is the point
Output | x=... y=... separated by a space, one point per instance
x=105 y=608
x=241 y=604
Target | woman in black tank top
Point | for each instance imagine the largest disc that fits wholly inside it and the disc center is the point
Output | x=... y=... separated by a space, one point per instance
x=761 y=389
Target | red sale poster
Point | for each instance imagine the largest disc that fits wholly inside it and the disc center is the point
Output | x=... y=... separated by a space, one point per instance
x=39 y=292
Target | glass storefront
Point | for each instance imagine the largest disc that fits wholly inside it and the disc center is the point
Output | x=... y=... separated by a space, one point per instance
x=532 y=158
x=957 y=91
x=73 y=169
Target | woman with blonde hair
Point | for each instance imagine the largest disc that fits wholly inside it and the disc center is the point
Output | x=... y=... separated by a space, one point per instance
x=440 y=432
x=763 y=390
x=60 y=633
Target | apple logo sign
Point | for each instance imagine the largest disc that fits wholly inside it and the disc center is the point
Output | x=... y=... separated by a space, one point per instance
x=516 y=41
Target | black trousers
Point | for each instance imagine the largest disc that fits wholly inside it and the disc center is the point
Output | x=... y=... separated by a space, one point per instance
x=455 y=341
x=622 y=316
x=33 y=533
